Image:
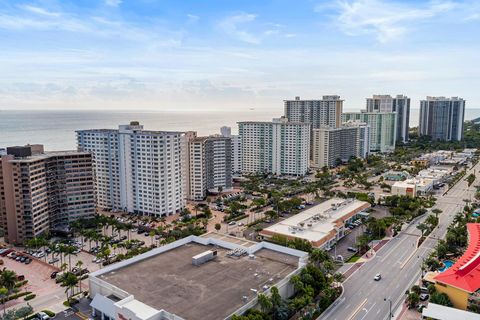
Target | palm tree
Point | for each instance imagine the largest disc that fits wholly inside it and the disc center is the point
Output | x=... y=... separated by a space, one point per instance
x=422 y=227
x=69 y=281
x=436 y=211
x=265 y=303
x=8 y=279
x=69 y=251
x=3 y=295
x=79 y=265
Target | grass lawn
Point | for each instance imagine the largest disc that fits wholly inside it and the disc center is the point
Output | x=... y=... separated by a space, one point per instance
x=353 y=259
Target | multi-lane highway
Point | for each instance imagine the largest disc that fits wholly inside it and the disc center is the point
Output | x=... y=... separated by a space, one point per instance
x=399 y=263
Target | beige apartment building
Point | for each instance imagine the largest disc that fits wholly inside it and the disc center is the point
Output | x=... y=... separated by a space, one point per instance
x=43 y=191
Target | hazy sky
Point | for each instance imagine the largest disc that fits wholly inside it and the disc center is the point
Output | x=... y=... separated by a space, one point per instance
x=233 y=54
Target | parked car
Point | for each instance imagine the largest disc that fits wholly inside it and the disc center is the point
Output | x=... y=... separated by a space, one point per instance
x=424 y=296
x=232 y=223
x=352 y=249
x=20 y=277
x=53 y=260
x=28 y=261
x=377 y=277
x=23 y=259
x=18 y=258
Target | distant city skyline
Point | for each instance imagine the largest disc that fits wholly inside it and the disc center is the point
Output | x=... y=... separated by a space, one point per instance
x=216 y=55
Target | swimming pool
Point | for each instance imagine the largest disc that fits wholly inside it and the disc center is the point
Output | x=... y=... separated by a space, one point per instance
x=447 y=264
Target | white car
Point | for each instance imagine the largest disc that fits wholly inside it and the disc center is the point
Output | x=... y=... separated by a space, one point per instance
x=42 y=316
x=377 y=277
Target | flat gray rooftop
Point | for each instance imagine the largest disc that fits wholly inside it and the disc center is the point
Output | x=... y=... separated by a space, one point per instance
x=212 y=290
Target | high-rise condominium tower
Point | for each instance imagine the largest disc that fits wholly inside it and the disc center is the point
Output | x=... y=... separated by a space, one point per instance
x=382 y=128
x=210 y=165
x=278 y=147
x=42 y=192
x=400 y=105
x=236 y=148
x=318 y=113
x=442 y=118
x=332 y=146
x=136 y=170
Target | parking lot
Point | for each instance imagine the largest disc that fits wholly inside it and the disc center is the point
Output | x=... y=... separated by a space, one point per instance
x=37 y=274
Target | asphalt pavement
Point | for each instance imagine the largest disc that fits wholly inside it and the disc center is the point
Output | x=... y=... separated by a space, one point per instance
x=399 y=263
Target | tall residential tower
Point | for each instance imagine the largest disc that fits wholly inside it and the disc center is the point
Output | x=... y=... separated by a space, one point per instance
x=42 y=191
x=136 y=170
x=442 y=118
x=278 y=147
x=400 y=105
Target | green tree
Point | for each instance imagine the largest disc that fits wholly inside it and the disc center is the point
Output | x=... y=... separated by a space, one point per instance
x=265 y=303
x=69 y=281
x=3 y=295
x=412 y=299
x=218 y=226
x=79 y=265
x=441 y=298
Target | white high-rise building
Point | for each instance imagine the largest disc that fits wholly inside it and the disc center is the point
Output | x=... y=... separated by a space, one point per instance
x=382 y=128
x=236 y=149
x=400 y=105
x=210 y=165
x=332 y=146
x=136 y=170
x=278 y=147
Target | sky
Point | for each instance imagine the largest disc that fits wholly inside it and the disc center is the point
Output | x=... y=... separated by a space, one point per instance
x=220 y=55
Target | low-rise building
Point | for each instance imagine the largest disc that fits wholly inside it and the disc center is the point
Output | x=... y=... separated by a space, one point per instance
x=322 y=225
x=437 y=174
x=396 y=175
x=412 y=187
x=200 y=278
x=461 y=282
x=438 y=312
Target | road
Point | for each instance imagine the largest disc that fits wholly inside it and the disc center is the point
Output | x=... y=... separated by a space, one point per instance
x=399 y=264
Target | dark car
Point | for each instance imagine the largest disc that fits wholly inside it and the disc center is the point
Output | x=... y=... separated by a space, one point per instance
x=23 y=259
x=53 y=275
x=28 y=261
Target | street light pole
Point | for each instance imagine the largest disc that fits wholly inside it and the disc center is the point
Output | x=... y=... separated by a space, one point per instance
x=390 y=315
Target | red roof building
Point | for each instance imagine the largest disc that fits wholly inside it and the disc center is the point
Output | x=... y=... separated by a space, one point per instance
x=463 y=278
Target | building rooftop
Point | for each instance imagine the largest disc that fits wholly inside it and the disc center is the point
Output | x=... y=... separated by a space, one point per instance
x=439 y=312
x=213 y=290
x=318 y=222
x=465 y=273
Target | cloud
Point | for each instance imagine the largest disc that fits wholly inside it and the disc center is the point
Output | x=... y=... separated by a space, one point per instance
x=386 y=20
x=192 y=18
x=113 y=3
x=232 y=26
x=39 y=11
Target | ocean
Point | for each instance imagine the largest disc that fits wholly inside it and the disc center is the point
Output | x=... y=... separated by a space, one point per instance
x=56 y=129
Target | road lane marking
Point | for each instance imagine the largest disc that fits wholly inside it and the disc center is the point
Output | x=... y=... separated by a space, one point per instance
x=368 y=310
x=360 y=306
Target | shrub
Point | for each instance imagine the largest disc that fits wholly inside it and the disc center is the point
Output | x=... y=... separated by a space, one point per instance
x=30 y=297
x=51 y=314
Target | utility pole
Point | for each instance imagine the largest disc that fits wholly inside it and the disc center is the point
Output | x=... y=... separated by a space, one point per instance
x=390 y=315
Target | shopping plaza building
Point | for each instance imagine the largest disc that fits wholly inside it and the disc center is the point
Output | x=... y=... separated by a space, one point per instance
x=201 y=278
x=322 y=225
